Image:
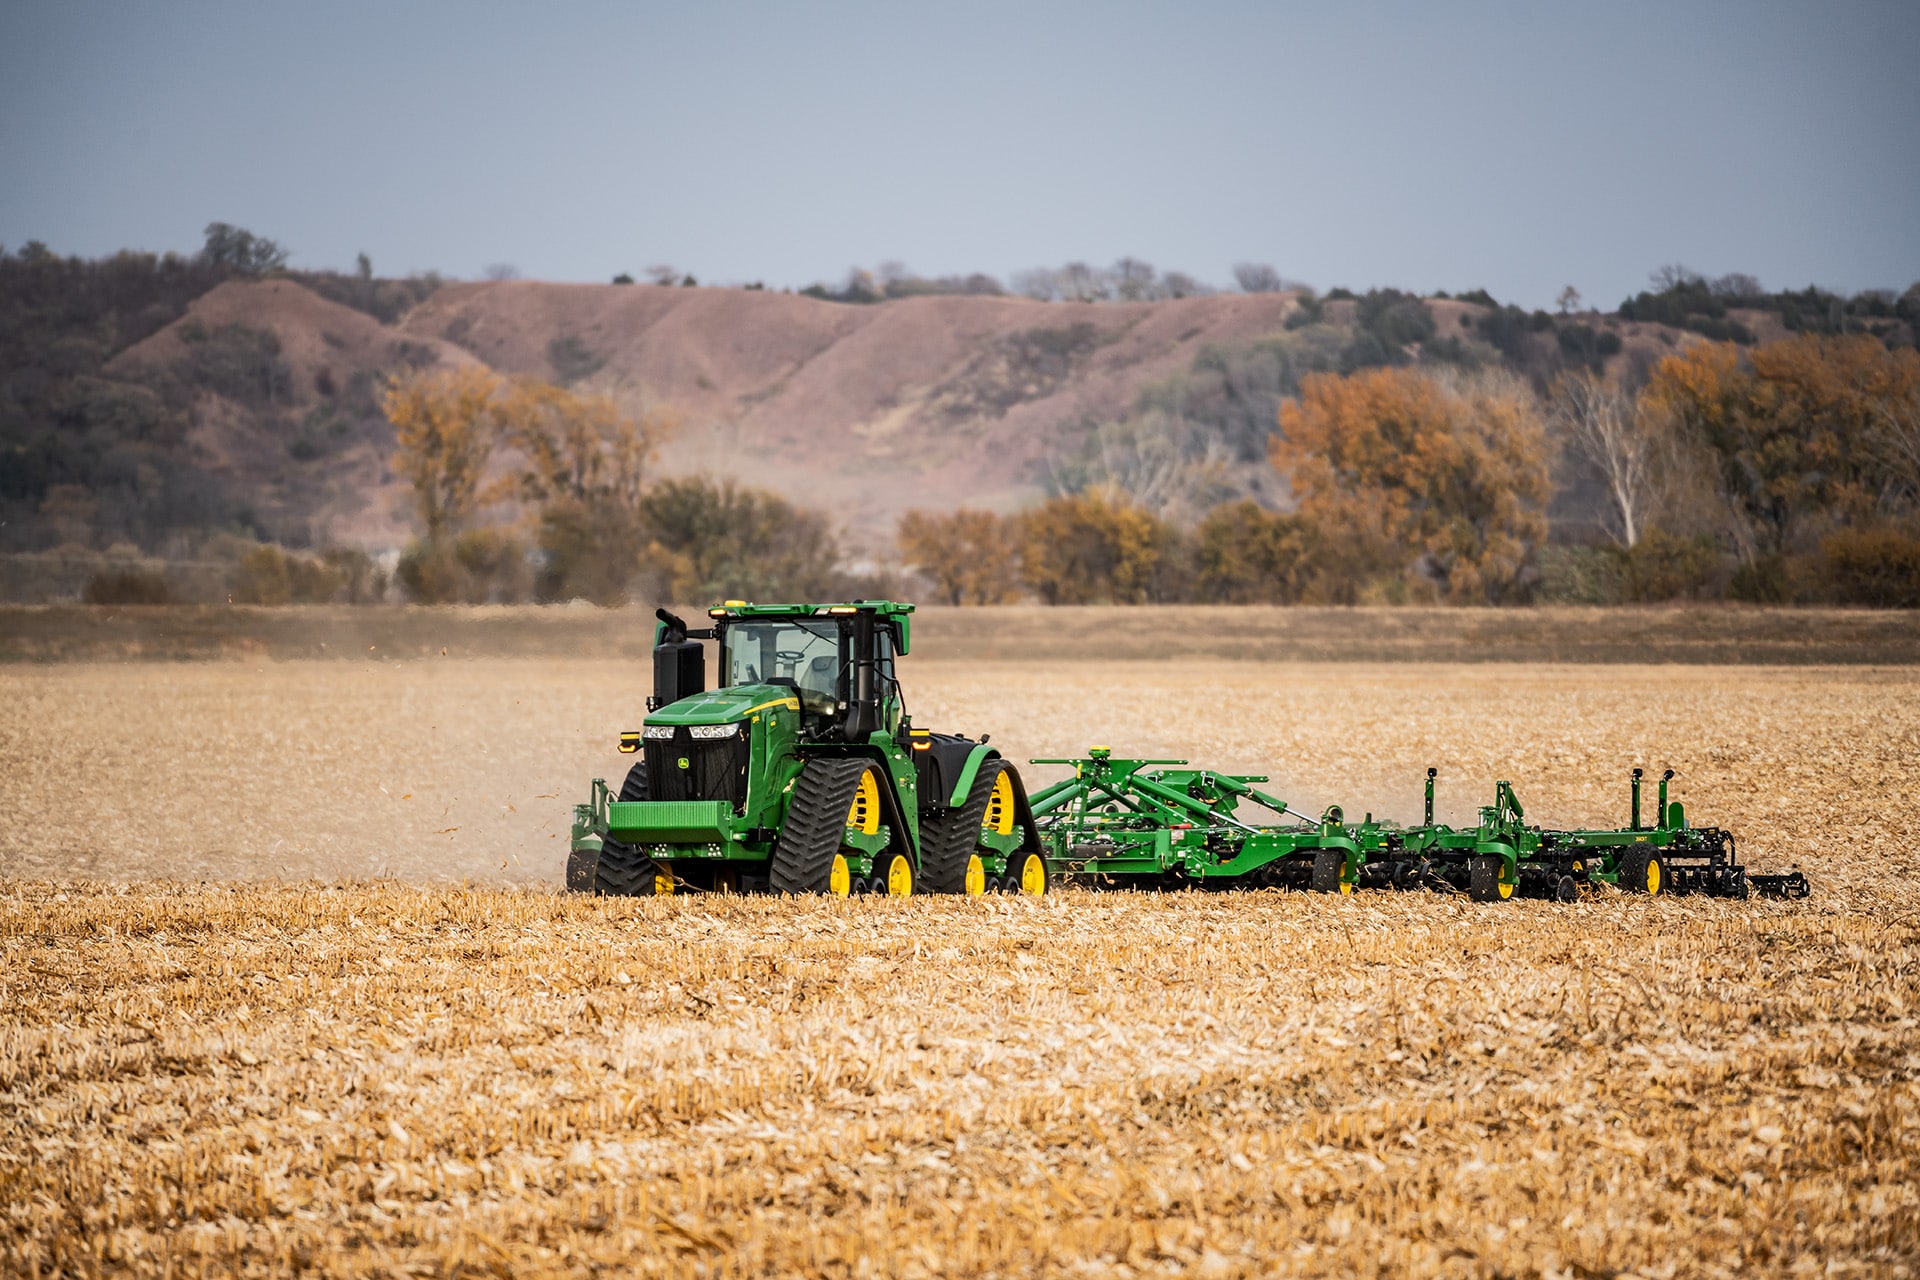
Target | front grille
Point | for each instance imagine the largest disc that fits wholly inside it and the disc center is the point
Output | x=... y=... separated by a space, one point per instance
x=716 y=768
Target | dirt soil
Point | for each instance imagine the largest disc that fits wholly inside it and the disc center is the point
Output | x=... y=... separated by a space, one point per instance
x=210 y=1061
x=1014 y=633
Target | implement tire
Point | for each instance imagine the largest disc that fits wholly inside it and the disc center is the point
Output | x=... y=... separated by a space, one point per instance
x=1327 y=866
x=623 y=871
x=1643 y=870
x=949 y=838
x=1483 y=879
x=803 y=856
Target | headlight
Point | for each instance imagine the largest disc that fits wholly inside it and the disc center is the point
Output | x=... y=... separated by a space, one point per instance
x=714 y=730
x=659 y=731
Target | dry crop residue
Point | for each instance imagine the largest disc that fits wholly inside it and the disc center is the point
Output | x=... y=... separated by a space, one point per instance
x=383 y=1078
x=438 y=1078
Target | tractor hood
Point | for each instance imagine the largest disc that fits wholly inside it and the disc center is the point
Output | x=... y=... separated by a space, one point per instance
x=724 y=706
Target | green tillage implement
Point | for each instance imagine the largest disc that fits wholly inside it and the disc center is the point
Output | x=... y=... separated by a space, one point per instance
x=1138 y=823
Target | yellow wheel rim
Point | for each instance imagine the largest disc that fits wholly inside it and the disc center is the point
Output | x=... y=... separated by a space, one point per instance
x=662 y=882
x=840 y=879
x=863 y=815
x=1506 y=889
x=976 y=876
x=1033 y=875
x=899 y=877
x=999 y=817
x=1653 y=875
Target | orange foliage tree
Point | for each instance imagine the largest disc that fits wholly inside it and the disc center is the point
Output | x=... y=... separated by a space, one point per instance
x=1249 y=555
x=970 y=556
x=583 y=470
x=1799 y=430
x=1409 y=479
x=444 y=431
x=1096 y=547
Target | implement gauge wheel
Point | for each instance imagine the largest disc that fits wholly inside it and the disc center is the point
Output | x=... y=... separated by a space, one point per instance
x=1328 y=865
x=1486 y=880
x=1642 y=870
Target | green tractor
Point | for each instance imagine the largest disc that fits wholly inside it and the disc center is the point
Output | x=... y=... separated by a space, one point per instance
x=800 y=771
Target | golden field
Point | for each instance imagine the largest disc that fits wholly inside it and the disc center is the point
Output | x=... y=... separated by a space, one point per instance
x=227 y=1048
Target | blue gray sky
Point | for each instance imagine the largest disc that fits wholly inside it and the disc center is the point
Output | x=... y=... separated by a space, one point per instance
x=1516 y=147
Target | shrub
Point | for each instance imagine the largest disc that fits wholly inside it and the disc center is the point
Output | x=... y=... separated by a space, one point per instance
x=1878 y=566
x=127 y=586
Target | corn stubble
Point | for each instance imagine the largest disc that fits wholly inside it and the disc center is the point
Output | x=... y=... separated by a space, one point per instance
x=379 y=1077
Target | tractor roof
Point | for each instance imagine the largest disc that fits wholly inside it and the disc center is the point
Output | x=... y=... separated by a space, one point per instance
x=894 y=611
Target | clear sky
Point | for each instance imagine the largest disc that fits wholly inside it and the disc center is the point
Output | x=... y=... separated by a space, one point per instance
x=1519 y=147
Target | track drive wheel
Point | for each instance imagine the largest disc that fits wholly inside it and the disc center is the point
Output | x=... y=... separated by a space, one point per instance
x=1328 y=868
x=622 y=870
x=1486 y=880
x=950 y=838
x=806 y=856
x=1643 y=870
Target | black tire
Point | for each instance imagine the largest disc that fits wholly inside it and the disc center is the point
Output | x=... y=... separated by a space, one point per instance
x=1483 y=880
x=1643 y=870
x=950 y=837
x=1327 y=866
x=816 y=819
x=622 y=870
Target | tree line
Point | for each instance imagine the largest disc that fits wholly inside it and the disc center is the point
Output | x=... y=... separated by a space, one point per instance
x=1789 y=472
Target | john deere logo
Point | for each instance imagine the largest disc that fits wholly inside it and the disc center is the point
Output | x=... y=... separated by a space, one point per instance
x=684 y=764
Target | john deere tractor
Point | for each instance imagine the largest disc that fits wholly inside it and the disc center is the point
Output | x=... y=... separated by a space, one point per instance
x=800 y=771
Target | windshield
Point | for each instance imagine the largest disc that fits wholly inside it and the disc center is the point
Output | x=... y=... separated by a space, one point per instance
x=804 y=653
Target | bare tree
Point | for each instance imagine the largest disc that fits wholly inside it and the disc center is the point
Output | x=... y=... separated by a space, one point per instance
x=501 y=271
x=1133 y=280
x=663 y=273
x=1079 y=282
x=1601 y=422
x=1568 y=301
x=1178 y=284
x=1041 y=283
x=1257 y=277
x=1896 y=440
x=1737 y=284
x=1674 y=274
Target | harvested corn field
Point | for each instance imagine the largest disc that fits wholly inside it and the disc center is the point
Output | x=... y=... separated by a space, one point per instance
x=426 y=1076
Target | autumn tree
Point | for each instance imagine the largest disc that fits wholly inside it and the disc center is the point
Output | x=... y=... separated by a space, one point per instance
x=1409 y=477
x=971 y=557
x=445 y=429
x=1802 y=431
x=1249 y=555
x=1095 y=547
x=582 y=472
x=717 y=539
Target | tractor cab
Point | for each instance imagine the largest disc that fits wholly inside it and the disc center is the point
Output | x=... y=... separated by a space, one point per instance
x=836 y=660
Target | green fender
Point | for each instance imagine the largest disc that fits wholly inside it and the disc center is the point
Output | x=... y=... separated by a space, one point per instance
x=975 y=758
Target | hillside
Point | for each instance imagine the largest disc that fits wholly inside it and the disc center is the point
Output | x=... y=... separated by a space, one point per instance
x=169 y=404
x=865 y=411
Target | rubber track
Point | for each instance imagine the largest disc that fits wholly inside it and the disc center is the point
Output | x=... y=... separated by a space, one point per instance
x=949 y=837
x=803 y=855
x=623 y=871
